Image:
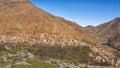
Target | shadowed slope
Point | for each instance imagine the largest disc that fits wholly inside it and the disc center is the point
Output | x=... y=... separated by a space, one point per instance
x=110 y=28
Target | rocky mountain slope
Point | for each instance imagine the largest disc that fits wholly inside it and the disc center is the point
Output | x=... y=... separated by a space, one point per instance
x=110 y=32
x=110 y=28
x=20 y=18
x=22 y=23
x=114 y=42
x=91 y=31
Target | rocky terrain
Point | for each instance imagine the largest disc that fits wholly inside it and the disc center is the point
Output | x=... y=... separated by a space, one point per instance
x=114 y=42
x=110 y=32
x=109 y=29
x=31 y=57
x=23 y=24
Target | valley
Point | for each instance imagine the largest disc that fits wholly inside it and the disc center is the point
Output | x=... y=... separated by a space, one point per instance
x=33 y=38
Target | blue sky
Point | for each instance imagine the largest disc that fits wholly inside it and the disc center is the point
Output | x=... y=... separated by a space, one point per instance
x=83 y=12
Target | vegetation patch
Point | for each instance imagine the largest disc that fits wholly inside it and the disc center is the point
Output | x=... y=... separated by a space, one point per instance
x=72 y=54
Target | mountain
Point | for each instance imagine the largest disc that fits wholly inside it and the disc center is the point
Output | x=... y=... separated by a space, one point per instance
x=111 y=33
x=21 y=18
x=114 y=42
x=92 y=33
x=22 y=23
x=90 y=27
x=110 y=28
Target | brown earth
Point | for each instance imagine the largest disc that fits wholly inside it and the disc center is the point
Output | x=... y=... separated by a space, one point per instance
x=22 y=22
x=110 y=28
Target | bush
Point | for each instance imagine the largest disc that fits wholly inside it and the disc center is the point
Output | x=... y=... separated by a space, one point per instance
x=74 y=54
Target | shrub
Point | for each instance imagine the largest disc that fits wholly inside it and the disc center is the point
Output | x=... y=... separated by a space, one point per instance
x=74 y=54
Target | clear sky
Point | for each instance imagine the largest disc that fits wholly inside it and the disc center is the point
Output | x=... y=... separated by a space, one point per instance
x=83 y=12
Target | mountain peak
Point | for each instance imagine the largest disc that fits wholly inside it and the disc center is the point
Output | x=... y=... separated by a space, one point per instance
x=110 y=28
x=89 y=26
x=117 y=18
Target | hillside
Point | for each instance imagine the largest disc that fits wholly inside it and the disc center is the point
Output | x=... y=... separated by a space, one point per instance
x=110 y=28
x=114 y=42
x=22 y=23
x=91 y=31
x=21 y=18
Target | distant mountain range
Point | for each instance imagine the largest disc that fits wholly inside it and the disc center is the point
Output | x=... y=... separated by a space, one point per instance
x=23 y=23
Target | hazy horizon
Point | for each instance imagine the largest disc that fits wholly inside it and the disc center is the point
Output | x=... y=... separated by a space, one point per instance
x=83 y=12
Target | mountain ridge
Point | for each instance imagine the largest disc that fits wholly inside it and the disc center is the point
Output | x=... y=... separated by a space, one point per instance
x=110 y=28
x=25 y=24
x=40 y=16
